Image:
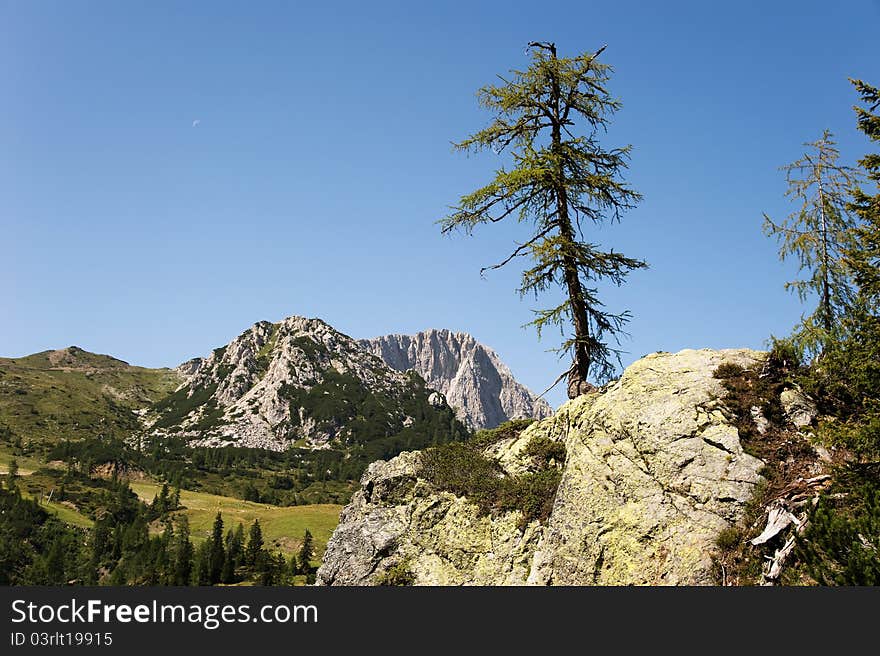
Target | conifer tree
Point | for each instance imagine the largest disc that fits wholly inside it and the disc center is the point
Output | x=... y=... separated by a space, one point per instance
x=218 y=552
x=234 y=547
x=817 y=233
x=849 y=379
x=549 y=118
x=293 y=566
x=255 y=544
x=201 y=571
x=306 y=552
x=55 y=562
x=183 y=553
x=864 y=256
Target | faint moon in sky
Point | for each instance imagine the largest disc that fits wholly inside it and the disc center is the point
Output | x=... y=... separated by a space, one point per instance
x=196 y=122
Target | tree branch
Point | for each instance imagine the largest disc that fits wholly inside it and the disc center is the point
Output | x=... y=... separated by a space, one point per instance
x=519 y=249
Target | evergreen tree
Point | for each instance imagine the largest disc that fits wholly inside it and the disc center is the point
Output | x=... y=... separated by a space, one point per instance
x=864 y=256
x=201 y=571
x=161 y=502
x=548 y=118
x=293 y=566
x=234 y=549
x=218 y=552
x=55 y=562
x=306 y=552
x=817 y=234
x=101 y=534
x=183 y=553
x=267 y=569
x=280 y=569
x=255 y=544
x=848 y=381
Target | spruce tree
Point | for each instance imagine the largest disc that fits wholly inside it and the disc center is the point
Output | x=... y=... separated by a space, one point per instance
x=848 y=381
x=306 y=552
x=817 y=234
x=255 y=544
x=164 y=562
x=183 y=553
x=201 y=571
x=218 y=552
x=234 y=548
x=549 y=118
x=293 y=566
x=55 y=561
x=864 y=256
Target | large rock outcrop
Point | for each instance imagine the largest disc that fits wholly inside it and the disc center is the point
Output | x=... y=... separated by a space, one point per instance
x=470 y=375
x=654 y=471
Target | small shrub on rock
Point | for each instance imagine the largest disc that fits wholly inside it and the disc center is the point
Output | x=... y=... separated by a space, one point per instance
x=398 y=574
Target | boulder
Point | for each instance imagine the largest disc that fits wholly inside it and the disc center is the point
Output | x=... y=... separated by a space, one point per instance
x=654 y=471
x=799 y=409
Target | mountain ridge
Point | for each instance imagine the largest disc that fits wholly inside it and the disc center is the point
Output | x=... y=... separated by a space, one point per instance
x=296 y=381
x=472 y=377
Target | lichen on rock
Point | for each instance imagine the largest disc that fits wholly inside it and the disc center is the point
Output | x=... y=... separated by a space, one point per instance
x=654 y=471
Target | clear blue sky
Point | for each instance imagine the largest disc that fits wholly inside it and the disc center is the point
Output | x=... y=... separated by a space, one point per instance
x=322 y=158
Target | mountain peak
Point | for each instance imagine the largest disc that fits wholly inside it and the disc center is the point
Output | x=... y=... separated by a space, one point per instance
x=473 y=378
x=296 y=381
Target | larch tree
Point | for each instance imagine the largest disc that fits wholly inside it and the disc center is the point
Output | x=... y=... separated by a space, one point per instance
x=548 y=120
x=817 y=234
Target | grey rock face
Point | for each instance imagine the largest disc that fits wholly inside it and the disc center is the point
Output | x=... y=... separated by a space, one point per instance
x=442 y=538
x=188 y=368
x=798 y=407
x=250 y=391
x=474 y=380
x=654 y=471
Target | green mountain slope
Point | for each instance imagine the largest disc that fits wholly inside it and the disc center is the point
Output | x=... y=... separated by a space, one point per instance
x=70 y=393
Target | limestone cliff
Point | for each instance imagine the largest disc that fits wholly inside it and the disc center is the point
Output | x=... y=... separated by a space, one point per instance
x=654 y=471
x=470 y=375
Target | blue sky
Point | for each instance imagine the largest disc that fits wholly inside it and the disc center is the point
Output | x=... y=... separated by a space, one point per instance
x=322 y=158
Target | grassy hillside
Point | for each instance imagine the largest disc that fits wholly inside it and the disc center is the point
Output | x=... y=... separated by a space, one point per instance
x=66 y=514
x=283 y=527
x=71 y=394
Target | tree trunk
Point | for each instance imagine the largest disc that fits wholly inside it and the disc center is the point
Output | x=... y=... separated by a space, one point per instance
x=577 y=376
x=826 y=288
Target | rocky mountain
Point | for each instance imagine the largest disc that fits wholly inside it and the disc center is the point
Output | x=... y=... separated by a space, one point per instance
x=470 y=375
x=645 y=474
x=301 y=383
